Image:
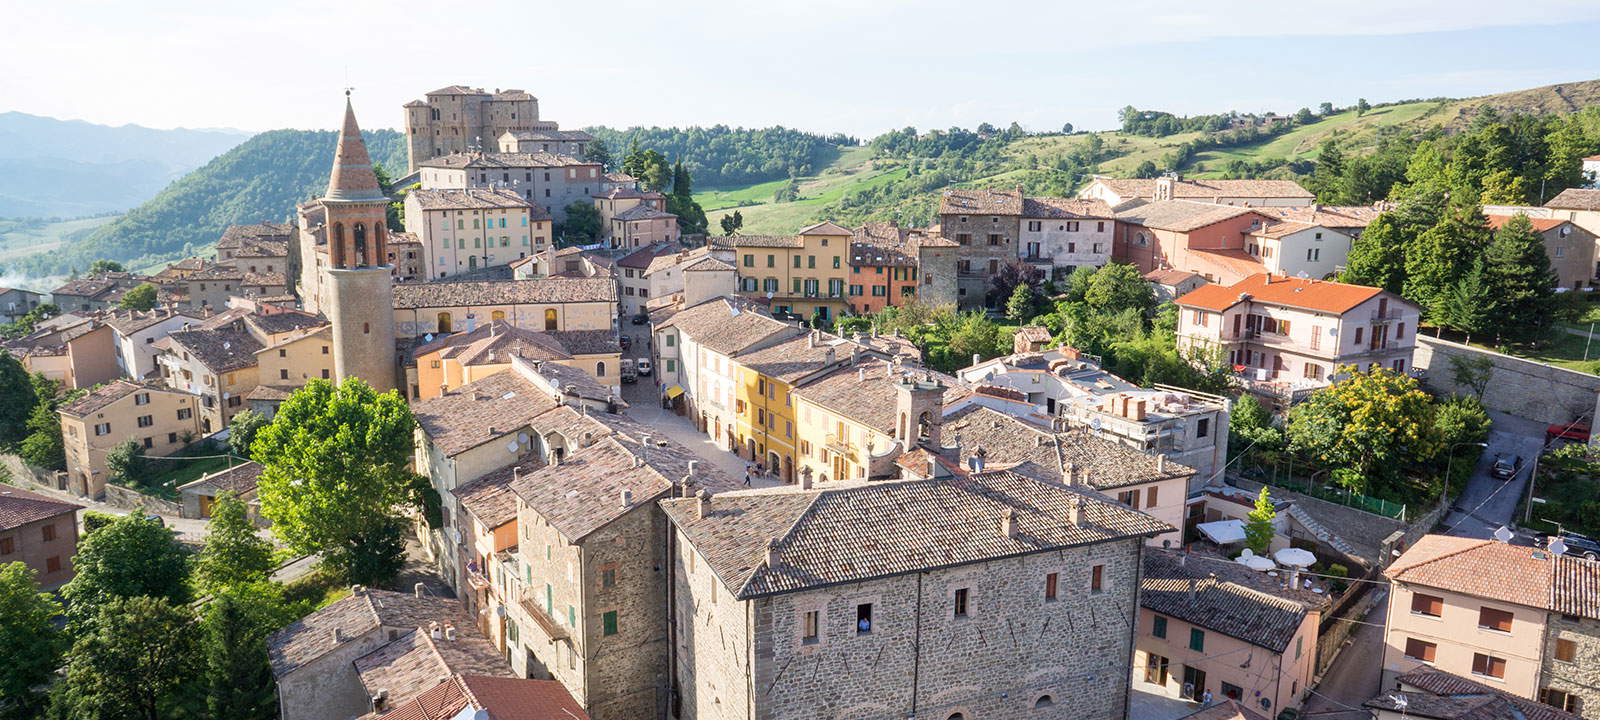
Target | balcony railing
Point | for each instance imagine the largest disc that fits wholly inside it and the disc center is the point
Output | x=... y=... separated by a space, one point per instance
x=839 y=445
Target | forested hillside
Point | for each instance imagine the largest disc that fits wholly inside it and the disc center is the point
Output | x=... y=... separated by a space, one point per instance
x=259 y=180
x=720 y=155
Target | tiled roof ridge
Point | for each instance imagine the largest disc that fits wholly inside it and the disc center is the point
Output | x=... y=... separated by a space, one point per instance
x=1399 y=570
x=783 y=539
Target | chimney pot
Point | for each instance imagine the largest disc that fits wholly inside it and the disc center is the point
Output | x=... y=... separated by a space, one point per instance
x=627 y=498
x=1161 y=463
x=434 y=631
x=421 y=590
x=772 y=553
x=1191 y=593
x=450 y=632
x=702 y=503
x=1008 y=523
x=805 y=478
x=1075 y=516
x=338 y=635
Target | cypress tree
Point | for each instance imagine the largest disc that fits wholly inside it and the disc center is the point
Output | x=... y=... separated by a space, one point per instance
x=238 y=679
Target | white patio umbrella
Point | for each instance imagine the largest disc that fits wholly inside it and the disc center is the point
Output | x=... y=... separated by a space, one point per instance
x=1257 y=562
x=1295 y=557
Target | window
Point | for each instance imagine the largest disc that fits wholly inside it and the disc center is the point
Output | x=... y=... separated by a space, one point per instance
x=1129 y=498
x=283 y=373
x=808 y=630
x=1232 y=691
x=1430 y=605
x=1202 y=430
x=1158 y=626
x=1044 y=701
x=1560 y=699
x=1358 y=335
x=1155 y=669
x=7 y=546
x=608 y=576
x=959 y=608
x=146 y=420
x=144 y=398
x=185 y=413
x=1097 y=578
x=864 y=618
x=1299 y=646
x=996 y=239
x=52 y=564
x=48 y=532
x=608 y=623
x=1399 y=330
x=1197 y=640
x=1488 y=666
x=102 y=428
x=1492 y=619
x=749 y=260
x=1050 y=582
x=1566 y=650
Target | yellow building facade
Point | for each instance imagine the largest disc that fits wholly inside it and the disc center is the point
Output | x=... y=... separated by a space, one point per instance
x=805 y=274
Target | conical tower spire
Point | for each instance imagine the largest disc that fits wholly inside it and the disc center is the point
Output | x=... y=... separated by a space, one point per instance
x=352 y=178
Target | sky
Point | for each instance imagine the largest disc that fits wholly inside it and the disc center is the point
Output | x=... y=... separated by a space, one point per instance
x=852 y=66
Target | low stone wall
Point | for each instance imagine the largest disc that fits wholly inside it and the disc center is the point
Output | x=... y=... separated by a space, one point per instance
x=118 y=496
x=1335 y=628
x=22 y=473
x=1536 y=391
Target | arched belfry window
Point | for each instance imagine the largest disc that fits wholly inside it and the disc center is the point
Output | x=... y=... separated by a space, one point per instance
x=336 y=245
x=361 y=245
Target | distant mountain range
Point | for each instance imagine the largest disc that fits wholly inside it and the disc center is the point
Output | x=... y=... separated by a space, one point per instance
x=68 y=168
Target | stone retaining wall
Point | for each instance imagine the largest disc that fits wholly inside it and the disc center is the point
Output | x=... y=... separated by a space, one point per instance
x=1527 y=389
x=118 y=496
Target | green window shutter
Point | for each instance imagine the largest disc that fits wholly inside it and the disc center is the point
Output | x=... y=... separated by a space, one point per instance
x=608 y=623
x=1197 y=640
x=1159 y=628
x=572 y=616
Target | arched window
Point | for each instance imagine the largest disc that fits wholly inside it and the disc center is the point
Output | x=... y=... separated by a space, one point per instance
x=444 y=322
x=1044 y=701
x=550 y=319
x=360 y=235
x=956 y=716
x=600 y=369
x=336 y=245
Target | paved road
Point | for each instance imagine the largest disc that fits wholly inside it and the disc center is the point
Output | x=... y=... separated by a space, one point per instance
x=1488 y=503
x=190 y=531
x=1355 y=675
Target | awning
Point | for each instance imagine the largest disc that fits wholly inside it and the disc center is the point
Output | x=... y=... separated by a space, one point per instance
x=1223 y=532
x=673 y=392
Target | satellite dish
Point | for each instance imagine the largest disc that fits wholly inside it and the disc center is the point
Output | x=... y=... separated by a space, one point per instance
x=769 y=294
x=1557 y=546
x=1502 y=534
x=227 y=345
x=522 y=438
x=1095 y=423
x=511 y=446
x=428 y=337
x=1302 y=275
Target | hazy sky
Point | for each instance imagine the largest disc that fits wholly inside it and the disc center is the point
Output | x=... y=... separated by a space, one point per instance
x=857 y=66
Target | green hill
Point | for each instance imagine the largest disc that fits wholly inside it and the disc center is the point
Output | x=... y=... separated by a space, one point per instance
x=259 y=180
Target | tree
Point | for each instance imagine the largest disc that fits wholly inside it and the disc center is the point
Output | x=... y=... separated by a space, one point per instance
x=1023 y=304
x=1259 y=524
x=242 y=431
x=1362 y=106
x=582 y=225
x=43 y=447
x=691 y=217
x=238 y=678
x=336 y=470
x=1378 y=257
x=1518 y=270
x=132 y=661
x=1504 y=188
x=233 y=553
x=1066 y=128
x=1461 y=419
x=597 y=152
x=682 y=182
x=104 y=266
x=130 y=557
x=1366 y=427
x=1005 y=281
x=1470 y=305
x=30 y=644
x=125 y=462
x=1444 y=253
x=1146 y=169
x=731 y=223
x=1303 y=116
x=650 y=167
x=142 y=297
x=1325 y=109
x=1473 y=372
x=1117 y=287
x=17 y=399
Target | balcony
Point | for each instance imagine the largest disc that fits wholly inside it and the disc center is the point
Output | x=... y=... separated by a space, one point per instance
x=1387 y=316
x=841 y=446
x=1274 y=384
x=552 y=628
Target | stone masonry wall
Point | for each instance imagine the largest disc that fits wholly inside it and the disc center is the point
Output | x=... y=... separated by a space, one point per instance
x=627 y=672
x=1580 y=677
x=1524 y=388
x=712 y=643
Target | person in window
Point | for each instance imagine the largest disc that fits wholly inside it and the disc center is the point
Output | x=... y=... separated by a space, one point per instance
x=864 y=625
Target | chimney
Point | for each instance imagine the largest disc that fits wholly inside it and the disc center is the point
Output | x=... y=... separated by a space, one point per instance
x=827 y=357
x=1161 y=463
x=627 y=498
x=772 y=553
x=476 y=396
x=933 y=466
x=1008 y=523
x=1183 y=559
x=1294 y=577
x=421 y=590
x=855 y=354
x=805 y=478
x=433 y=630
x=379 y=700
x=811 y=339
x=861 y=374
x=1075 y=512
x=1072 y=474
x=338 y=635
x=492 y=431
x=976 y=358
x=1191 y=593
x=449 y=632
x=702 y=503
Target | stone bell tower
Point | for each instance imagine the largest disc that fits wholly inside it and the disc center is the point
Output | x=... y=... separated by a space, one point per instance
x=919 y=411
x=360 y=288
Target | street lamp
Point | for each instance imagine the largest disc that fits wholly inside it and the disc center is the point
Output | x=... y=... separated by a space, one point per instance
x=1452 y=460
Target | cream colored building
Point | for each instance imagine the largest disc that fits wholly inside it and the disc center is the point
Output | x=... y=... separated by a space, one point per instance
x=631 y=218
x=161 y=420
x=1297 y=249
x=465 y=357
x=552 y=303
x=1252 y=193
x=467 y=229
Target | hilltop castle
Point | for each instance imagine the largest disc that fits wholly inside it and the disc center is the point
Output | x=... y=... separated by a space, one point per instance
x=460 y=119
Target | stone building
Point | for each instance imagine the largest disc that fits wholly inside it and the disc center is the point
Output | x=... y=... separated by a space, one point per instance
x=891 y=265
x=197 y=497
x=80 y=351
x=995 y=228
x=163 y=421
x=1252 y=193
x=551 y=303
x=1571 y=249
x=15 y=303
x=633 y=288
x=464 y=357
x=631 y=218
x=565 y=142
x=550 y=180
x=801 y=602
x=459 y=119
x=688 y=278
x=40 y=532
x=1438 y=695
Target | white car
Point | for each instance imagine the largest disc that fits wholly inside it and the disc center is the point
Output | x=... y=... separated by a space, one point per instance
x=644 y=366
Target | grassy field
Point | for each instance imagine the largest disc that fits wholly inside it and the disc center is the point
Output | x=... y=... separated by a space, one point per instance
x=853 y=170
x=19 y=238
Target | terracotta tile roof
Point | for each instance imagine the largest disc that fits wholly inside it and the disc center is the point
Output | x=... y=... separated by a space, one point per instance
x=1005 y=439
x=219 y=350
x=1575 y=589
x=646 y=256
x=1446 y=696
x=832 y=536
x=261 y=248
x=351 y=617
x=980 y=202
x=798 y=356
x=468 y=199
x=216 y=271
x=105 y=395
x=573 y=381
x=1316 y=295
x=826 y=227
x=728 y=326
x=1575 y=199
x=496 y=342
x=627 y=193
x=270 y=393
x=1337 y=217
x=461 y=419
x=619 y=177
x=1225 y=263
x=414 y=662
x=767 y=241
x=868 y=397
x=490 y=498
x=1168 y=277
x=1484 y=568
x=559 y=135
x=1201 y=188
x=1225 y=710
x=1219 y=604
x=504 y=698
x=708 y=264
x=240 y=480
x=128 y=322
x=508 y=161
x=1052 y=208
x=282 y=322
x=1539 y=224
x=85 y=288
x=1180 y=215
x=1283 y=228
x=264 y=280
x=237 y=234
x=504 y=292
x=641 y=212
x=19 y=507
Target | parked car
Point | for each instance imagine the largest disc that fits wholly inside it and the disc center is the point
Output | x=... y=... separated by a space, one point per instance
x=1505 y=466
x=640 y=319
x=644 y=366
x=627 y=342
x=1580 y=545
x=628 y=372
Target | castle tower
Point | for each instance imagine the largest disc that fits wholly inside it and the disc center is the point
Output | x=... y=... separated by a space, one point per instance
x=360 y=290
x=918 y=410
